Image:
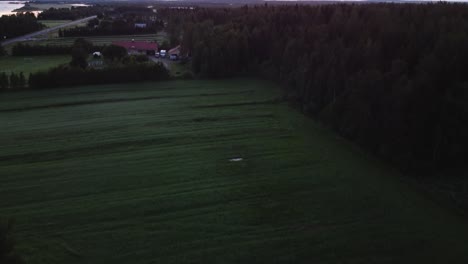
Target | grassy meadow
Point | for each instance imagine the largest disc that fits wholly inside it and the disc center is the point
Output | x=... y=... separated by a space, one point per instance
x=142 y=173
x=31 y=64
x=97 y=40
x=53 y=23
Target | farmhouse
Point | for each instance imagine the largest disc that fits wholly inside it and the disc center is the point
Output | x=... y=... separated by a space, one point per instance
x=138 y=47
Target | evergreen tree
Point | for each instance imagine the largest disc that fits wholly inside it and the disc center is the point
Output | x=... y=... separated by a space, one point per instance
x=4 y=82
x=21 y=80
x=14 y=80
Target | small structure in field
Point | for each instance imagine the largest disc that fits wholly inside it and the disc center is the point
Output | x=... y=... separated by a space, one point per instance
x=174 y=53
x=138 y=47
x=140 y=25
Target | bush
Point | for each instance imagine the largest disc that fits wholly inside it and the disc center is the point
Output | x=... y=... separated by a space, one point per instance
x=72 y=76
x=113 y=52
x=2 y=51
x=8 y=253
x=187 y=76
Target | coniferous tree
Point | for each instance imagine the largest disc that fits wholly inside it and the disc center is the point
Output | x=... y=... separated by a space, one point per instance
x=4 y=82
x=14 y=80
x=21 y=80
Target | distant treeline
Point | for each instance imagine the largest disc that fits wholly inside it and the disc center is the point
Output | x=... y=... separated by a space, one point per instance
x=115 y=27
x=391 y=77
x=18 y=25
x=73 y=76
x=38 y=50
x=72 y=13
x=12 y=81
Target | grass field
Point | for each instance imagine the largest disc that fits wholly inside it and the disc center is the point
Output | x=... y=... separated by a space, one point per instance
x=34 y=7
x=141 y=173
x=45 y=6
x=100 y=40
x=31 y=64
x=53 y=23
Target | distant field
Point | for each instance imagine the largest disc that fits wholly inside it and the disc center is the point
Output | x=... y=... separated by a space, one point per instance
x=45 y=6
x=142 y=173
x=31 y=64
x=101 y=40
x=53 y=23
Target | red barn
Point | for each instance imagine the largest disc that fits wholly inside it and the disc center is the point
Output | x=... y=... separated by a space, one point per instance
x=138 y=47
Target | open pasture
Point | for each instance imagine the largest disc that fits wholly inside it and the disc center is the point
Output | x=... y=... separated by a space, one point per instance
x=99 y=40
x=53 y=23
x=203 y=172
x=30 y=64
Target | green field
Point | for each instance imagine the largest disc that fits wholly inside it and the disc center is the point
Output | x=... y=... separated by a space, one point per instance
x=45 y=6
x=99 y=40
x=31 y=64
x=53 y=23
x=141 y=173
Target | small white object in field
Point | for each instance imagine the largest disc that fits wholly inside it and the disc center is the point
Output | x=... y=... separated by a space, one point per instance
x=236 y=159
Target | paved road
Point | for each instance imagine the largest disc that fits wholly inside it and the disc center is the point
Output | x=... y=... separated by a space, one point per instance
x=45 y=31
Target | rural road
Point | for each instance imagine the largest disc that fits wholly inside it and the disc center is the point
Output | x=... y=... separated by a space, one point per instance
x=45 y=31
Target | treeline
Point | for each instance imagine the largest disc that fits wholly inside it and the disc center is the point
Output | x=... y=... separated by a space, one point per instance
x=12 y=81
x=73 y=13
x=18 y=25
x=74 y=76
x=113 y=27
x=391 y=77
x=38 y=50
x=21 y=49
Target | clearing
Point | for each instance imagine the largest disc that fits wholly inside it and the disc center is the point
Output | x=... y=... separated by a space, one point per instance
x=141 y=173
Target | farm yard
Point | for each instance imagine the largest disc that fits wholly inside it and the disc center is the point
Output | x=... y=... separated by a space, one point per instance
x=31 y=64
x=203 y=172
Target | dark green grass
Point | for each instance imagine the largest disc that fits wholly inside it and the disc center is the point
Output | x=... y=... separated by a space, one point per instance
x=31 y=64
x=53 y=23
x=140 y=173
x=99 y=40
